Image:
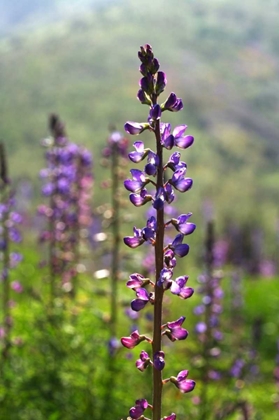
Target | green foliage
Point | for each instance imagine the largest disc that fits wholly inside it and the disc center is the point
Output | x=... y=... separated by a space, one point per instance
x=60 y=368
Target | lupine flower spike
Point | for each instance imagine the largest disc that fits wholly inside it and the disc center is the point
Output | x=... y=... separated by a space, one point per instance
x=67 y=183
x=115 y=157
x=9 y=219
x=152 y=185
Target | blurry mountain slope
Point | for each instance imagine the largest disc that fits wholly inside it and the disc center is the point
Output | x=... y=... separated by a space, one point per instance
x=221 y=57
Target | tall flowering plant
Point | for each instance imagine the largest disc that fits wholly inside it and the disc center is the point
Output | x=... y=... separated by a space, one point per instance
x=67 y=183
x=9 y=220
x=115 y=157
x=208 y=327
x=162 y=193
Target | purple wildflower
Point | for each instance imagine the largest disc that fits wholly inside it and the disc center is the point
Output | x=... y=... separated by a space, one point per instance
x=137 y=183
x=175 y=331
x=143 y=297
x=181 y=224
x=159 y=360
x=172 y=104
x=178 y=288
x=135 y=128
x=140 y=152
x=141 y=198
x=183 y=384
x=143 y=361
x=139 y=408
x=179 y=249
x=179 y=182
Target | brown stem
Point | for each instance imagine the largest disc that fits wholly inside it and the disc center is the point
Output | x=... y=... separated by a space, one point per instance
x=116 y=238
x=207 y=344
x=158 y=304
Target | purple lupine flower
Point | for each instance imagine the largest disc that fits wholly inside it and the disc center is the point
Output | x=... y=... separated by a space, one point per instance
x=143 y=361
x=165 y=277
x=174 y=331
x=143 y=297
x=131 y=314
x=15 y=217
x=15 y=258
x=175 y=163
x=201 y=327
x=237 y=367
x=159 y=360
x=137 y=183
x=181 y=224
x=179 y=182
x=161 y=83
x=48 y=189
x=154 y=113
x=139 y=408
x=167 y=138
x=183 y=384
x=179 y=249
x=133 y=340
x=146 y=234
x=159 y=199
x=169 y=193
x=152 y=165
x=171 y=417
x=141 y=198
x=68 y=181
x=140 y=153
x=143 y=97
x=113 y=346
x=183 y=142
x=135 y=128
x=136 y=240
x=14 y=235
x=178 y=287
x=169 y=259
x=136 y=280
x=177 y=138
x=172 y=103
x=146 y=84
x=152 y=84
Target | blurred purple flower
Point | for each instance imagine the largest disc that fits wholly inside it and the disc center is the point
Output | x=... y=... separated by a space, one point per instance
x=17 y=286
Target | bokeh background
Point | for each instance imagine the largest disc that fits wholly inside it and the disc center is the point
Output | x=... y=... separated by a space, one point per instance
x=78 y=58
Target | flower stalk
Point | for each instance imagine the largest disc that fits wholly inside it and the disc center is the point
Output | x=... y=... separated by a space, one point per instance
x=9 y=219
x=152 y=85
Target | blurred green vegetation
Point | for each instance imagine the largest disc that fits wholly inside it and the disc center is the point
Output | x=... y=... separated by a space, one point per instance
x=59 y=366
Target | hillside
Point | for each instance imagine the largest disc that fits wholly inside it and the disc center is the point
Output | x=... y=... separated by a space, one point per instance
x=221 y=57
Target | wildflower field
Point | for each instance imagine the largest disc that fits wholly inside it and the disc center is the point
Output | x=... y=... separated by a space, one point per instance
x=139 y=232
